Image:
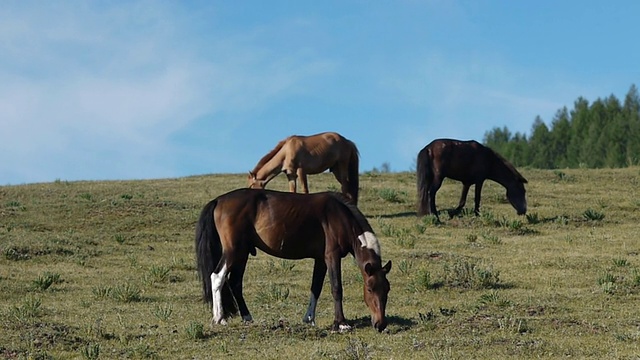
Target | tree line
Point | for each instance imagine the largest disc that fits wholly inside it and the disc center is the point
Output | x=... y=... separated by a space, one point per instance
x=605 y=133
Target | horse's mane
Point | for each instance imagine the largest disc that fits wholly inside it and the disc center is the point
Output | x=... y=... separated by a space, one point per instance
x=269 y=155
x=357 y=214
x=508 y=165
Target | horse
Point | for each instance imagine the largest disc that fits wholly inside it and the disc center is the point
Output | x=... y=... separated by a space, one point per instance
x=322 y=226
x=298 y=156
x=471 y=163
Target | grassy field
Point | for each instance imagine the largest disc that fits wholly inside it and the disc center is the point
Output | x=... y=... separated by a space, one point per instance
x=106 y=270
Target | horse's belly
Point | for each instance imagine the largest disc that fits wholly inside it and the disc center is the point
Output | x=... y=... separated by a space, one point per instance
x=289 y=247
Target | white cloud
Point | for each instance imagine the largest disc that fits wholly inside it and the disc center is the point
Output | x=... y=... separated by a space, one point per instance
x=97 y=91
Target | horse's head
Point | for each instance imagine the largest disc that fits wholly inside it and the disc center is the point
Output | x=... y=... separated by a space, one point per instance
x=254 y=182
x=516 y=194
x=376 y=289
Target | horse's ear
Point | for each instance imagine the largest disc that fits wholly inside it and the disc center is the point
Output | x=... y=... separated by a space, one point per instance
x=524 y=181
x=368 y=269
x=387 y=267
x=251 y=175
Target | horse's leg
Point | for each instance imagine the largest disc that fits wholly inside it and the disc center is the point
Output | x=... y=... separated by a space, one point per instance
x=476 y=209
x=319 y=272
x=292 y=176
x=463 y=200
x=341 y=176
x=433 y=189
x=217 y=282
x=236 y=273
x=303 y=178
x=335 y=278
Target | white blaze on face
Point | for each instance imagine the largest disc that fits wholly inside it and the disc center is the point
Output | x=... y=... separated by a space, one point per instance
x=370 y=241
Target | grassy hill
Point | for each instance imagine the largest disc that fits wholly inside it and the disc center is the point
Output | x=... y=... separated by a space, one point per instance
x=106 y=270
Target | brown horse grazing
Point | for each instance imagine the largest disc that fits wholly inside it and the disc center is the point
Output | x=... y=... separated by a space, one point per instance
x=298 y=156
x=471 y=163
x=321 y=226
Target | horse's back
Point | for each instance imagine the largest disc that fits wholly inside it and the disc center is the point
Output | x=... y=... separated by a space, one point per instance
x=282 y=224
x=463 y=160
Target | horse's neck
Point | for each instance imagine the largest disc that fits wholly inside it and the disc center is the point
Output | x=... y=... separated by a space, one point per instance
x=272 y=167
x=366 y=254
x=502 y=174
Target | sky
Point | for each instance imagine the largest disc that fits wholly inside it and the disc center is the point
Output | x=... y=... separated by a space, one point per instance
x=119 y=90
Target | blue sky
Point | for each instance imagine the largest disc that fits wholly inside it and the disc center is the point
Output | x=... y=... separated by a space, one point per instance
x=101 y=90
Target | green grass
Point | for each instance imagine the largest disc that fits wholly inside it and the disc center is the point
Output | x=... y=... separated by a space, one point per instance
x=92 y=270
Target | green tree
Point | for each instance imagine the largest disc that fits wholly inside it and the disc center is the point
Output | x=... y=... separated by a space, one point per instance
x=613 y=137
x=560 y=137
x=631 y=111
x=593 y=148
x=498 y=139
x=579 y=133
x=539 y=145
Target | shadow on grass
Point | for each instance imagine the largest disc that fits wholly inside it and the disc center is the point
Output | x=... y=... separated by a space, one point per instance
x=395 y=325
x=398 y=215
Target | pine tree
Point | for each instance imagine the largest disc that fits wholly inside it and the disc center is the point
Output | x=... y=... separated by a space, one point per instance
x=539 y=145
x=579 y=133
x=631 y=111
x=560 y=138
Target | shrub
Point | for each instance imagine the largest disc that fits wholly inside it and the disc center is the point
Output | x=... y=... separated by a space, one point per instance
x=125 y=293
x=195 y=330
x=592 y=215
x=390 y=195
x=467 y=274
x=44 y=281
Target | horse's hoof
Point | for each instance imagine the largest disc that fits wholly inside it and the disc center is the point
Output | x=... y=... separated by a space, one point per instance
x=341 y=328
x=309 y=320
x=218 y=322
x=247 y=319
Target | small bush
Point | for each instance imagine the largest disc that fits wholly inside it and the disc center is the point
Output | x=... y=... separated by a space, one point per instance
x=491 y=239
x=86 y=196
x=91 y=351
x=157 y=274
x=561 y=175
x=493 y=298
x=101 y=292
x=29 y=309
x=606 y=278
x=467 y=274
x=421 y=281
x=125 y=293
x=620 y=262
x=162 y=312
x=195 y=330
x=44 y=281
x=357 y=349
x=533 y=218
x=405 y=242
x=119 y=238
x=405 y=266
x=592 y=215
x=390 y=195
x=273 y=293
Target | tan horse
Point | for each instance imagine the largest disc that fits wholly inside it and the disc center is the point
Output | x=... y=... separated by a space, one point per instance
x=298 y=156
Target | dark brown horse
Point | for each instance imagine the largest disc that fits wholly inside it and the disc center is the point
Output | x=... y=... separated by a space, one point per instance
x=471 y=163
x=297 y=156
x=321 y=226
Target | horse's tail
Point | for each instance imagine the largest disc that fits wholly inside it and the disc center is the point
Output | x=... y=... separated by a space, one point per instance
x=424 y=173
x=209 y=254
x=353 y=174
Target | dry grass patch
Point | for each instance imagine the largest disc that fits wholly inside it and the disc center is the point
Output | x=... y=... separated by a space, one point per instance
x=106 y=270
